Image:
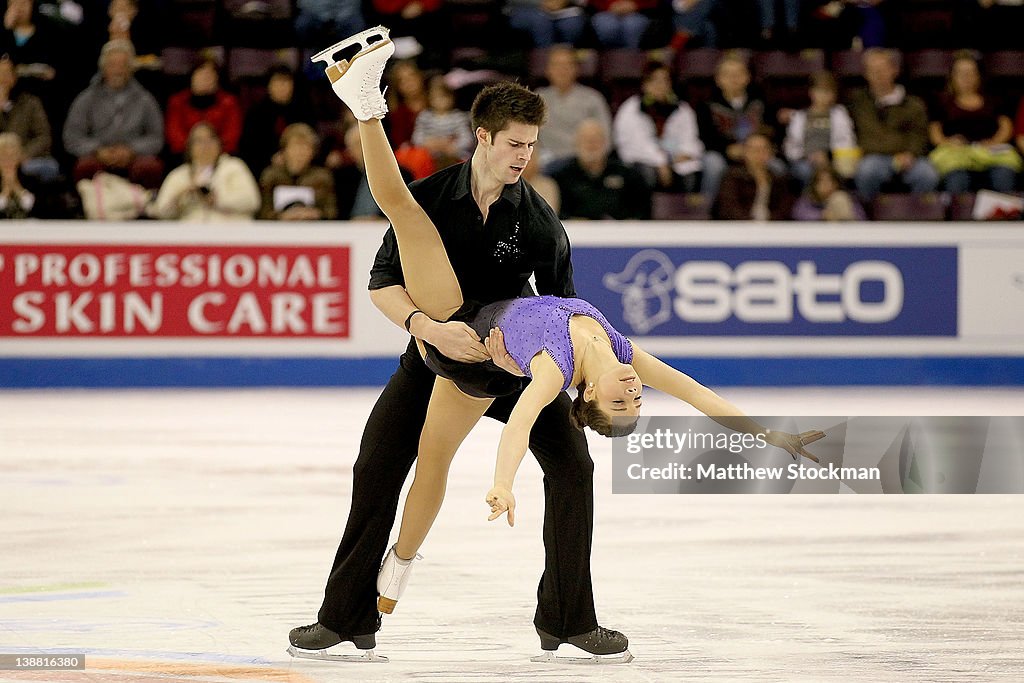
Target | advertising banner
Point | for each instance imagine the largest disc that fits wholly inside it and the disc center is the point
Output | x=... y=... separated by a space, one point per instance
x=173 y=291
x=777 y=291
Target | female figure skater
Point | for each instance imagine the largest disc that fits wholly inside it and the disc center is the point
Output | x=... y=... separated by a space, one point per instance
x=557 y=342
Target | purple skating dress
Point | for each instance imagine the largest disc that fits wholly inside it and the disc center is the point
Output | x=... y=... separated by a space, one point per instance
x=530 y=325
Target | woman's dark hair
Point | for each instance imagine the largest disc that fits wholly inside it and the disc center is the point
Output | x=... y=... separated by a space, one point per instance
x=503 y=103
x=588 y=414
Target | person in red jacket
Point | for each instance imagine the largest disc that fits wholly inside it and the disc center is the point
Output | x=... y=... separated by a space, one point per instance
x=204 y=100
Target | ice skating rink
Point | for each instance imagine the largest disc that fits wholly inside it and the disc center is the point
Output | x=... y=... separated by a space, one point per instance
x=178 y=536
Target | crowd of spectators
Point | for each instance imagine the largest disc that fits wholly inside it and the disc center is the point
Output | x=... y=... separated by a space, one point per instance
x=93 y=88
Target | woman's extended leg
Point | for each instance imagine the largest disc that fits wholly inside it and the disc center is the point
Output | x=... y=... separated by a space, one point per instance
x=451 y=415
x=428 y=273
x=429 y=277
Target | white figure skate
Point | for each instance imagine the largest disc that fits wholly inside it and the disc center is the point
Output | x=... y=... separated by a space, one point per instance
x=392 y=580
x=357 y=81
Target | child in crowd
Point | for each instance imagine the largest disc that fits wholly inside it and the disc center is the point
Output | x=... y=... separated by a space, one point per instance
x=821 y=135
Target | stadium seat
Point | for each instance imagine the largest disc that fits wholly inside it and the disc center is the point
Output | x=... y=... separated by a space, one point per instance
x=678 y=206
x=926 y=71
x=961 y=206
x=253 y=63
x=192 y=23
x=909 y=207
x=778 y=64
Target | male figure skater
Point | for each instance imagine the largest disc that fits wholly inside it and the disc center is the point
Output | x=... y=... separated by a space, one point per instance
x=497 y=232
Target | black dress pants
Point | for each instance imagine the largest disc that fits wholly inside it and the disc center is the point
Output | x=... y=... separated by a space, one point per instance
x=565 y=598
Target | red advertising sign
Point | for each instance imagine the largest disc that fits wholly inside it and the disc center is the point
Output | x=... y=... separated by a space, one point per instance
x=174 y=291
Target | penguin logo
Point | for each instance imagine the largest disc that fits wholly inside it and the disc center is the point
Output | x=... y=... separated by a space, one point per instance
x=645 y=285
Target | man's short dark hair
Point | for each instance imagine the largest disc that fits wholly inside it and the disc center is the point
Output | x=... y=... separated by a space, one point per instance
x=507 y=102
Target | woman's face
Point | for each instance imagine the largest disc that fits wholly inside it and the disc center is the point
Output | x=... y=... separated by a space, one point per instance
x=966 y=79
x=281 y=88
x=204 y=147
x=618 y=392
x=298 y=154
x=825 y=185
x=409 y=80
x=658 y=85
x=205 y=80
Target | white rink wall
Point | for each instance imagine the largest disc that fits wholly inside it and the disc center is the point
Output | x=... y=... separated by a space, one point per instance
x=168 y=304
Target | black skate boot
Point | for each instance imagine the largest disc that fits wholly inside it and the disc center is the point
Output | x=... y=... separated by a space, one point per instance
x=600 y=643
x=315 y=642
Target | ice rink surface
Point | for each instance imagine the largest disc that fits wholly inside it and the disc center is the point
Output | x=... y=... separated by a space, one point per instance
x=178 y=536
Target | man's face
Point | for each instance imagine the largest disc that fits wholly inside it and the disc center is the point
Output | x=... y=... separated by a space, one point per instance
x=879 y=72
x=591 y=143
x=732 y=77
x=562 y=69
x=508 y=152
x=117 y=70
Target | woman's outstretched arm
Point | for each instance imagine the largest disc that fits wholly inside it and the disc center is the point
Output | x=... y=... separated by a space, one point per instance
x=515 y=437
x=663 y=377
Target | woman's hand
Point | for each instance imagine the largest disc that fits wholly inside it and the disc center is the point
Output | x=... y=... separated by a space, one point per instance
x=794 y=443
x=501 y=500
x=495 y=344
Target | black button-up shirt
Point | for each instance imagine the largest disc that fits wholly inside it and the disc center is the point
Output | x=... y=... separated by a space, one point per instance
x=492 y=260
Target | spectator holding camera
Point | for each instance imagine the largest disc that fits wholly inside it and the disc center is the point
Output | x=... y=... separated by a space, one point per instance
x=210 y=186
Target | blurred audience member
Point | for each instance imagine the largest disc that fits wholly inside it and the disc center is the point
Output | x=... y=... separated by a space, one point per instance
x=771 y=26
x=548 y=22
x=694 y=23
x=115 y=124
x=34 y=42
x=420 y=22
x=23 y=114
x=1019 y=127
x=319 y=23
x=842 y=24
x=355 y=202
x=141 y=25
x=441 y=128
x=621 y=23
x=267 y=118
x=407 y=97
x=656 y=133
x=569 y=104
x=203 y=100
x=973 y=137
x=544 y=184
x=826 y=200
x=892 y=129
x=734 y=111
x=295 y=189
x=597 y=186
x=210 y=186
x=15 y=201
x=820 y=135
x=753 y=191
x=988 y=24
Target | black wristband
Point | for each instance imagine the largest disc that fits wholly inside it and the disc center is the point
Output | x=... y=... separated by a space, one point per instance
x=408 y=321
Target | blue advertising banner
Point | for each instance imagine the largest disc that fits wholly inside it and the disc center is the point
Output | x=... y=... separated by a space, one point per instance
x=772 y=291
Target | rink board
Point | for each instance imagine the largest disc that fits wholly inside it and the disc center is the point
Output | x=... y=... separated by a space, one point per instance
x=266 y=304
